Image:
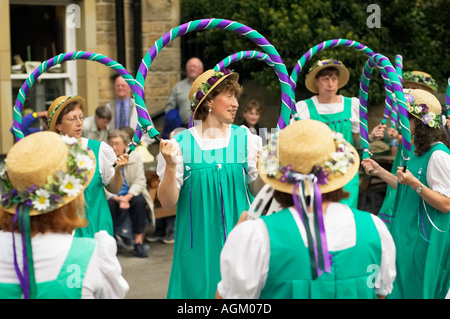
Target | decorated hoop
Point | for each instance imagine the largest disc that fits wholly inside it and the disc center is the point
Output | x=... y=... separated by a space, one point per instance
x=243 y=55
x=383 y=62
x=447 y=97
x=287 y=95
x=144 y=121
x=390 y=101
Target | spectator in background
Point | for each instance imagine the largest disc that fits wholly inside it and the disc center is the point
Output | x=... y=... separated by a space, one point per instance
x=96 y=127
x=123 y=108
x=29 y=123
x=141 y=148
x=252 y=113
x=133 y=200
x=178 y=107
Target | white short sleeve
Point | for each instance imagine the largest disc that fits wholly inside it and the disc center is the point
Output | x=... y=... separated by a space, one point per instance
x=302 y=110
x=107 y=157
x=438 y=172
x=103 y=279
x=385 y=280
x=246 y=254
x=355 y=115
x=105 y=161
x=254 y=144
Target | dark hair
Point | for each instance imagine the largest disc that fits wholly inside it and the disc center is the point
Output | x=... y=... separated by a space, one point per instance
x=103 y=112
x=68 y=108
x=285 y=199
x=253 y=104
x=227 y=85
x=327 y=72
x=424 y=136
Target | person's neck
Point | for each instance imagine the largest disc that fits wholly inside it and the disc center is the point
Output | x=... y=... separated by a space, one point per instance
x=212 y=128
x=328 y=98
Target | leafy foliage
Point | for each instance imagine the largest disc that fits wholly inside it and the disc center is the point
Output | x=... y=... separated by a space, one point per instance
x=416 y=29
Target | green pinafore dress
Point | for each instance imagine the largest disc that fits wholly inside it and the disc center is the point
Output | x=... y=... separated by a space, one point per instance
x=387 y=207
x=352 y=270
x=213 y=195
x=97 y=209
x=340 y=122
x=68 y=283
x=422 y=240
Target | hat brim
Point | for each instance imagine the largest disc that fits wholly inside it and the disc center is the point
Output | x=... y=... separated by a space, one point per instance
x=422 y=85
x=66 y=199
x=310 y=80
x=79 y=99
x=233 y=75
x=334 y=181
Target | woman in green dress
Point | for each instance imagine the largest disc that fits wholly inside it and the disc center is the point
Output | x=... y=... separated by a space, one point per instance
x=313 y=247
x=42 y=204
x=411 y=80
x=421 y=221
x=206 y=172
x=65 y=116
x=340 y=113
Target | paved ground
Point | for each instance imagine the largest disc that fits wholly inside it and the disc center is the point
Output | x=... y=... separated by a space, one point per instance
x=148 y=277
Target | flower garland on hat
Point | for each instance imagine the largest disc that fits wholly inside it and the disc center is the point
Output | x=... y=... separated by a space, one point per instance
x=206 y=86
x=420 y=78
x=422 y=112
x=46 y=198
x=329 y=61
x=339 y=162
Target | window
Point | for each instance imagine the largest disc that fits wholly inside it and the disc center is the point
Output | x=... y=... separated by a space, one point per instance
x=38 y=33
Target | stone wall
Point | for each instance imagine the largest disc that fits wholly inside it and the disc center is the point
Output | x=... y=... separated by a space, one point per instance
x=158 y=17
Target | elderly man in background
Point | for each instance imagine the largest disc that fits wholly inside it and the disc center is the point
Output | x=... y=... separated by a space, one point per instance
x=96 y=127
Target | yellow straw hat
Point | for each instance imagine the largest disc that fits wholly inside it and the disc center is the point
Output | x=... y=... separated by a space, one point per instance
x=58 y=105
x=308 y=147
x=310 y=80
x=422 y=79
x=426 y=107
x=45 y=171
x=205 y=83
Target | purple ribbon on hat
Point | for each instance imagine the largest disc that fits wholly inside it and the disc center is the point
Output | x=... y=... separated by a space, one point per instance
x=26 y=278
x=318 y=249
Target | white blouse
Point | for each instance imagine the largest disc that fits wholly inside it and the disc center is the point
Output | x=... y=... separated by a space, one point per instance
x=438 y=172
x=103 y=278
x=244 y=260
x=106 y=159
x=331 y=108
x=254 y=144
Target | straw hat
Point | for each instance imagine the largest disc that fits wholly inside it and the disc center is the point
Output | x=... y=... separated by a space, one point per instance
x=305 y=147
x=422 y=79
x=426 y=107
x=60 y=169
x=58 y=105
x=205 y=83
x=310 y=80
